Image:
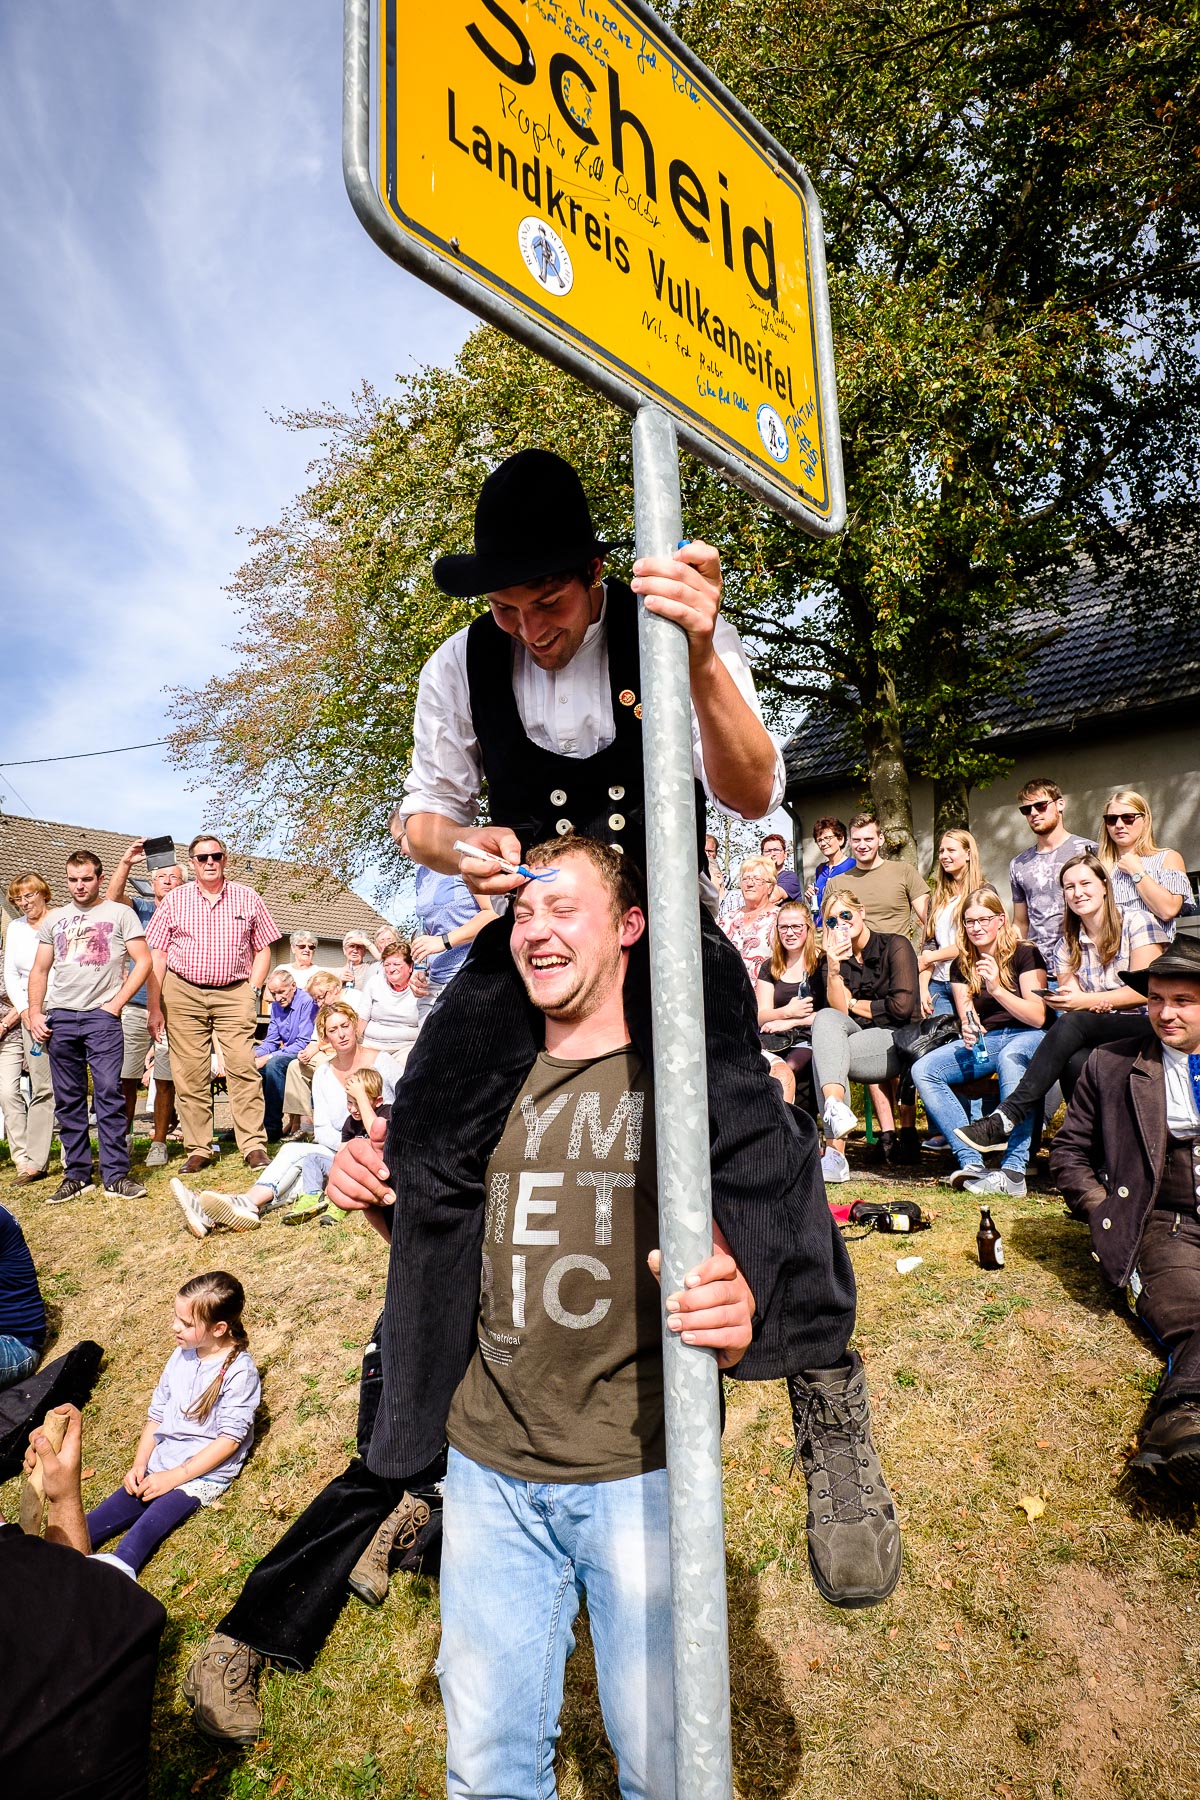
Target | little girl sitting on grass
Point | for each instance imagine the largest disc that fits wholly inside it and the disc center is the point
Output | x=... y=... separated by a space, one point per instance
x=200 y=1426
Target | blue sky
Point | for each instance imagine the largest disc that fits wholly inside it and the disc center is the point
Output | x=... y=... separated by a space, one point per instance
x=180 y=261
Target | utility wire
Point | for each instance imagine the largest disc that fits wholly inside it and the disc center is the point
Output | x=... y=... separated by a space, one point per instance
x=82 y=755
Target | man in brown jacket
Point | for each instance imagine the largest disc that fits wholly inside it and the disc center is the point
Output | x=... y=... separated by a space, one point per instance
x=1128 y=1163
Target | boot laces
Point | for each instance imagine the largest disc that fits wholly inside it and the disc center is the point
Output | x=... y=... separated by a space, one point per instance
x=240 y=1665
x=399 y=1532
x=835 y=1427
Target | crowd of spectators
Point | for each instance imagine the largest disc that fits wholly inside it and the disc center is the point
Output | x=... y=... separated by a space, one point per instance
x=867 y=974
x=120 y=991
x=845 y=979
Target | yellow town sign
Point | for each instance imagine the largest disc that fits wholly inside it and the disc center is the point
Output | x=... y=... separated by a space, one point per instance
x=573 y=174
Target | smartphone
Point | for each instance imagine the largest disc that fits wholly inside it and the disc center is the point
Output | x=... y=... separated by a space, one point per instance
x=159 y=852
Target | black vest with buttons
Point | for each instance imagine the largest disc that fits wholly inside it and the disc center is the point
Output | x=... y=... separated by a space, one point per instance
x=539 y=793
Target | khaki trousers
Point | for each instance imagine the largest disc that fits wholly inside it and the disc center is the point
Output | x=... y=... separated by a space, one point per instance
x=29 y=1127
x=297 y=1089
x=196 y=1015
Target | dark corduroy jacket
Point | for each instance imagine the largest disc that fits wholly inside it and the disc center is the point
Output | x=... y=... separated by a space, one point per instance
x=1108 y=1157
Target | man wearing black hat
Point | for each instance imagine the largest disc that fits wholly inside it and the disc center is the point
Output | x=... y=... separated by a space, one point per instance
x=539 y=699
x=1127 y=1161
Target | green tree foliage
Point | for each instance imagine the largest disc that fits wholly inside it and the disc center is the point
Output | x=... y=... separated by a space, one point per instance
x=1011 y=201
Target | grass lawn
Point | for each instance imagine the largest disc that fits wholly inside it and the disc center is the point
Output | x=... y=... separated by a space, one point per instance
x=1051 y=1656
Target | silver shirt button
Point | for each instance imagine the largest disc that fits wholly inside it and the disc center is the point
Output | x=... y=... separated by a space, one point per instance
x=1123 y=1193
x=563 y=826
x=1095 y=1256
x=619 y=848
x=558 y=797
x=1106 y=1224
x=616 y=821
x=616 y=793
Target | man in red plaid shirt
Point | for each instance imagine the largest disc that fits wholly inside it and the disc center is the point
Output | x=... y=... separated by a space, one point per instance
x=211 y=941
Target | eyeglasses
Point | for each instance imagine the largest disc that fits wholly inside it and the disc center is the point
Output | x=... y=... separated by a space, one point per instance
x=982 y=924
x=1033 y=806
x=791 y=928
x=209 y=856
x=1123 y=818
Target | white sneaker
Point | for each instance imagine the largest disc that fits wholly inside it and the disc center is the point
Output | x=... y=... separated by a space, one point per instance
x=195 y=1218
x=960 y=1178
x=233 y=1210
x=156 y=1156
x=838 y=1118
x=998 y=1181
x=834 y=1167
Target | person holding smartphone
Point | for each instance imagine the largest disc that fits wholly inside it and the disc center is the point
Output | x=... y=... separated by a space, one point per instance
x=871 y=986
x=1095 y=1004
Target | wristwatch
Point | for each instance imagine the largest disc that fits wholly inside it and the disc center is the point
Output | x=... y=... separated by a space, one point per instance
x=446 y=942
x=1138 y=878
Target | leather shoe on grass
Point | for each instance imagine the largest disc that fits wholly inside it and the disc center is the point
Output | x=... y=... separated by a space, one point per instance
x=222 y=1685
x=369 y=1576
x=196 y=1163
x=854 y=1547
x=1171 y=1446
x=256 y=1159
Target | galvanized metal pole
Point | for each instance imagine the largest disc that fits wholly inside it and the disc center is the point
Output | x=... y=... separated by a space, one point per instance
x=703 y=1768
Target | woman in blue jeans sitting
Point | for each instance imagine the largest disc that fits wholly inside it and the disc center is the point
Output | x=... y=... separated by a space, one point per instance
x=998 y=985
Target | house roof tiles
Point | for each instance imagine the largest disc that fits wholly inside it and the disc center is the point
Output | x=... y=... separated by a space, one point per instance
x=1100 y=659
x=297 y=898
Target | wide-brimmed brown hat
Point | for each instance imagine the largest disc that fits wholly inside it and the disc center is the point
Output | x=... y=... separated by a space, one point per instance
x=1180 y=958
x=531 y=519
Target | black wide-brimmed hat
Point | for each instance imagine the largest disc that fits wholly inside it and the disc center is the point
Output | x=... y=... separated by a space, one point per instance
x=531 y=519
x=1180 y=958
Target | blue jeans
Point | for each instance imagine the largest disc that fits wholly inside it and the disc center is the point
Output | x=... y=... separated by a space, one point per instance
x=516 y=1557
x=938 y=1074
x=17 y=1360
x=274 y=1075
x=939 y=994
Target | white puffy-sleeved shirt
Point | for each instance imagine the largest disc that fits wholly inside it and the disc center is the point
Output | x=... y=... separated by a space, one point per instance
x=566 y=711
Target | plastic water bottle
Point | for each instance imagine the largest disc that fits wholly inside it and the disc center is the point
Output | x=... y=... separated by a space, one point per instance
x=981 y=1062
x=35 y=1049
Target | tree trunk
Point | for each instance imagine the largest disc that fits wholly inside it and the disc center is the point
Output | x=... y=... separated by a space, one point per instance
x=951 y=809
x=887 y=772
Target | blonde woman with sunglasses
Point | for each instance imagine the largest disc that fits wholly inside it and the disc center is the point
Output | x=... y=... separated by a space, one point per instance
x=1143 y=876
x=999 y=985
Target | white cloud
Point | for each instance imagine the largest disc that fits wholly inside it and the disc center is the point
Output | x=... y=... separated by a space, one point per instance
x=182 y=262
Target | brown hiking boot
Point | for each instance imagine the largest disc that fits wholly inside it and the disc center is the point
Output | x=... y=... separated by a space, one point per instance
x=1171 y=1445
x=222 y=1685
x=369 y=1576
x=853 y=1539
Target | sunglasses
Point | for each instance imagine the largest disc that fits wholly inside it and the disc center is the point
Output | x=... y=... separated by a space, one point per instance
x=1036 y=806
x=1122 y=818
x=846 y=918
x=209 y=856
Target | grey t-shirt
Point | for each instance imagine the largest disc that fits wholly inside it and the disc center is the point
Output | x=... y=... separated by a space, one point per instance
x=89 y=945
x=1033 y=877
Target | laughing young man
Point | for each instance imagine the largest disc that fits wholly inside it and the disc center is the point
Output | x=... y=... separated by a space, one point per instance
x=539 y=700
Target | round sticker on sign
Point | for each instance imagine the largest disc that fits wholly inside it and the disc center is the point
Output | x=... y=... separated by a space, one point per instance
x=773 y=432
x=545 y=256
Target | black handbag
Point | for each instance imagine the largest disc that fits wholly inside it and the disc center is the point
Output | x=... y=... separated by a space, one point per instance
x=780 y=1042
x=923 y=1035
